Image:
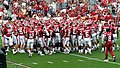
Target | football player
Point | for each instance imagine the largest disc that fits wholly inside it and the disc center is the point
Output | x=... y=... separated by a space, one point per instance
x=8 y=36
x=40 y=45
x=103 y=33
x=21 y=36
x=87 y=39
x=80 y=39
x=15 y=39
x=66 y=40
x=3 y=32
x=94 y=37
x=57 y=37
x=30 y=40
x=74 y=37
x=115 y=36
x=108 y=45
x=48 y=40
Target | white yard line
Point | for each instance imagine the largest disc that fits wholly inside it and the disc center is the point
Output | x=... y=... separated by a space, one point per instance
x=17 y=64
x=95 y=59
x=65 y=61
x=50 y=62
x=34 y=63
x=80 y=60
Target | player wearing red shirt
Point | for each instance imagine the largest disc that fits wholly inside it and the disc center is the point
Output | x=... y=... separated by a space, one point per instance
x=21 y=36
x=80 y=39
x=48 y=40
x=87 y=39
x=115 y=36
x=103 y=33
x=8 y=36
x=74 y=37
x=57 y=37
x=30 y=40
x=15 y=39
x=40 y=41
x=3 y=33
x=108 y=45
x=66 y=40
x=94 y=37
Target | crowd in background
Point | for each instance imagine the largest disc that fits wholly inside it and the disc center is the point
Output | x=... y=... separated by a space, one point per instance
x=25 y=9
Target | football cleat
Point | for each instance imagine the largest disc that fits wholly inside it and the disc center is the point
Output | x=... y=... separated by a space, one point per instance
x=98 y=45
x=106 y=60
x=22 y=51
x=80 y=51
x=30 y=55
x=14 y=52
x=50 y=53
x=114 y=59
x=7 y=50
x=46 y=52
x=54 y=52
x=67 y=53
x=42 y=54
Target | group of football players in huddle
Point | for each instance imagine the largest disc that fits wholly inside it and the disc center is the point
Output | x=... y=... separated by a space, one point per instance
x=52 y=35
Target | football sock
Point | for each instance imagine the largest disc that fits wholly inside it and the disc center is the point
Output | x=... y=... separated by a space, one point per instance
x=77 y=48
x=81 y=50
x=86 y=51
x=102 y=49
x=58 y=48
x=113 y=48
x=89 y=50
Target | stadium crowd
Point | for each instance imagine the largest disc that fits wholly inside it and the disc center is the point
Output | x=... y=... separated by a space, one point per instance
x=59 y=26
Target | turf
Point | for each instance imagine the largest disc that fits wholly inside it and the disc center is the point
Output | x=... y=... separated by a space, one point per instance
x=60 y=60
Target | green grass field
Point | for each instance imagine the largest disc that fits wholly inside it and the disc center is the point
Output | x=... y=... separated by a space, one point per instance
x=60 y=60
